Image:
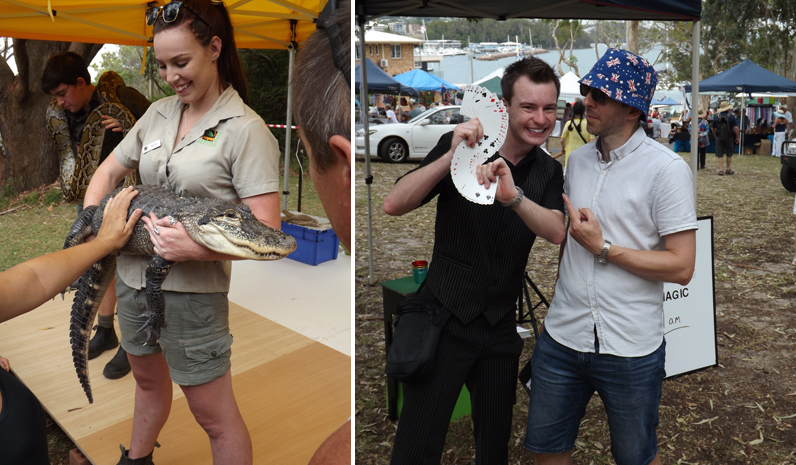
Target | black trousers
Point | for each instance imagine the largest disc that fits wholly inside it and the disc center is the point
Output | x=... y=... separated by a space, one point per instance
x=701 y=154
x=486 y=359
x=23 y=426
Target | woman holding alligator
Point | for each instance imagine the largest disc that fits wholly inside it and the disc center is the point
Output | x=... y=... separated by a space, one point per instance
x=203 y=142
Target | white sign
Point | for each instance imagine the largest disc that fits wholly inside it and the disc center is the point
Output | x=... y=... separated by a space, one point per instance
x=690 y=312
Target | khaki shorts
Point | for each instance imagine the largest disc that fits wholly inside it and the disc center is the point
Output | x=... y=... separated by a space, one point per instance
x=195 y=342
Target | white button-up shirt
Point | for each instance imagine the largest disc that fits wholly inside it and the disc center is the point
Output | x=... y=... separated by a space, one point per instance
x=642 y=194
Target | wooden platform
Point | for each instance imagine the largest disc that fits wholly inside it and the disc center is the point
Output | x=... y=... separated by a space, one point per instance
x=292 y=391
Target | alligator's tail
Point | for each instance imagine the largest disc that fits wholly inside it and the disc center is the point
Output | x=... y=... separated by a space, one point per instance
x=79 y=231
x=91 y=289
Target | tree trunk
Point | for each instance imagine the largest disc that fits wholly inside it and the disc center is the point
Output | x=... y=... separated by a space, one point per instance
x=704 y=103
x=631 y=30
x=29 y=158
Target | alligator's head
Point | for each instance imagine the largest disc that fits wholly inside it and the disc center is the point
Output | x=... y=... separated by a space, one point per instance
x=232 y=229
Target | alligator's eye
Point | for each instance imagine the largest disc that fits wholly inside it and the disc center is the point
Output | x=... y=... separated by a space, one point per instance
x=230 y=214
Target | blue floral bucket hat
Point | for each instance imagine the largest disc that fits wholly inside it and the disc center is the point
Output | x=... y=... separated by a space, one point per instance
x=625 y=77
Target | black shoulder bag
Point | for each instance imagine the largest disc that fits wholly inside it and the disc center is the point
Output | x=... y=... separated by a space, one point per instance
x=416 y=333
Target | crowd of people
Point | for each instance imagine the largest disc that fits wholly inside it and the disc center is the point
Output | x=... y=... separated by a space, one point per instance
x=402 y=112
x=721 y=128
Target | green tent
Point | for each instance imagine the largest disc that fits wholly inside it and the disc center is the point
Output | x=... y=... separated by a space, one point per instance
x=493 y=85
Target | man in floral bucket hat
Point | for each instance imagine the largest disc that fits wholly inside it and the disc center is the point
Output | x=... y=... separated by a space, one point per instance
x=632 y=227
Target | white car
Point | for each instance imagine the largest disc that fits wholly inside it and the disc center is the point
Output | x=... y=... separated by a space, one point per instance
x=399 y=142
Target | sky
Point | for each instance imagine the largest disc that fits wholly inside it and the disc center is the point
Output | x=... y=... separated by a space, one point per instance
x=105 y=48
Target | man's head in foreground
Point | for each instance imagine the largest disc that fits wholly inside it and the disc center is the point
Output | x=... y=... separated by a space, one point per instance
x=322 y=107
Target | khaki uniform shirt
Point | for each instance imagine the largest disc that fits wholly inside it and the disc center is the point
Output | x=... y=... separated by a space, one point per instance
x=229 y=154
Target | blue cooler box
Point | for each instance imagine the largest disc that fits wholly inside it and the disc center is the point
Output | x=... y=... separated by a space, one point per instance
x=314 y=245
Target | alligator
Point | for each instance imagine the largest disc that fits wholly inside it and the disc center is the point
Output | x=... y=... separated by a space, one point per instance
x=217 y=224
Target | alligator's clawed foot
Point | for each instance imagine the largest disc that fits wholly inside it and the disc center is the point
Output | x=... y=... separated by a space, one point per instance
x=154 y=321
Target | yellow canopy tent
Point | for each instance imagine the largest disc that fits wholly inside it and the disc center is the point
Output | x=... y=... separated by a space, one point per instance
x=258 y=23
x=275 y=24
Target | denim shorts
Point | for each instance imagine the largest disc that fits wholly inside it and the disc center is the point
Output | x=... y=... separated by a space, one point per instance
x=196 y=341
x=562 y=383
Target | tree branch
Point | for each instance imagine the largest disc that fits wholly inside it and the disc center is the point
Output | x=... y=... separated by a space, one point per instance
x=6 y=76
x=87 y=51
x=22 y=88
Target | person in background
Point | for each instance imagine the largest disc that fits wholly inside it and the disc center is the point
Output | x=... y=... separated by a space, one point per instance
x=567 y=113
x=413 y=109
x=575 y=133
x=390 y=114
x=725 y=126
x=23 y=424
x=744 y=120
x=604 y=330
x=656 y=126
x=788 y=116
x=704 y=140
x=780 y=131
x=399 y=114
x=67 y=79
x=685 y=117
x=673 y=131
x=680 y=137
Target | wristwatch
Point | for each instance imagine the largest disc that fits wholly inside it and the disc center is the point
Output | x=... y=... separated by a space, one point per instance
x=520 y=195
x=603 y=257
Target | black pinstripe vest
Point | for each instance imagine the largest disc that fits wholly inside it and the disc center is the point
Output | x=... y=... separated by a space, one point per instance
x=481 y=251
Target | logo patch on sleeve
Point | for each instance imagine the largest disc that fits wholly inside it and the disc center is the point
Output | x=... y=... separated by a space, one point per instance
x=209 y=138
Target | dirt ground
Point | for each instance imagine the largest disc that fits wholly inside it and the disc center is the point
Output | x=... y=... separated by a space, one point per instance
x=740 y=412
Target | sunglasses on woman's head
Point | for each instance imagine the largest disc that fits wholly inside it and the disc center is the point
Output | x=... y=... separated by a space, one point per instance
x=598 y=96
x=170 y=11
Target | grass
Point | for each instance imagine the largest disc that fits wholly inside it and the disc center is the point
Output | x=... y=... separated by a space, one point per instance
x=33 y=231
x=39 y=223
x=755 y=289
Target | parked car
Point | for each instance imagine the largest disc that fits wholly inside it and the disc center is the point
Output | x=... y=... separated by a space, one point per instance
x=396 y=143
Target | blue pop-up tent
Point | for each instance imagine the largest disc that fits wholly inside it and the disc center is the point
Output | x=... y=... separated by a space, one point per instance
x=667 y=101
x=423 y=81
x=381 y=82
x=746 y=77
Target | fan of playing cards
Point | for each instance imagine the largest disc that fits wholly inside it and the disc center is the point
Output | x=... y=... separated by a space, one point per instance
x=480 y=103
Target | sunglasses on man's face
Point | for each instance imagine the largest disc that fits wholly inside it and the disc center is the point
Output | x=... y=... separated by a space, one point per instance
x=596 y=95
x=170 y=12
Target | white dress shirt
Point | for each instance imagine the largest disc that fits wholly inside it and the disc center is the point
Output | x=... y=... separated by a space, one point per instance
x=642 y=194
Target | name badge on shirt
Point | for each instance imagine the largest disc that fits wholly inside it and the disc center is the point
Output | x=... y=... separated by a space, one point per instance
x=152 y=146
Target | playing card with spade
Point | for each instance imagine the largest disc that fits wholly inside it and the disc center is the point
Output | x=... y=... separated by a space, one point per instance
x=483 y=104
